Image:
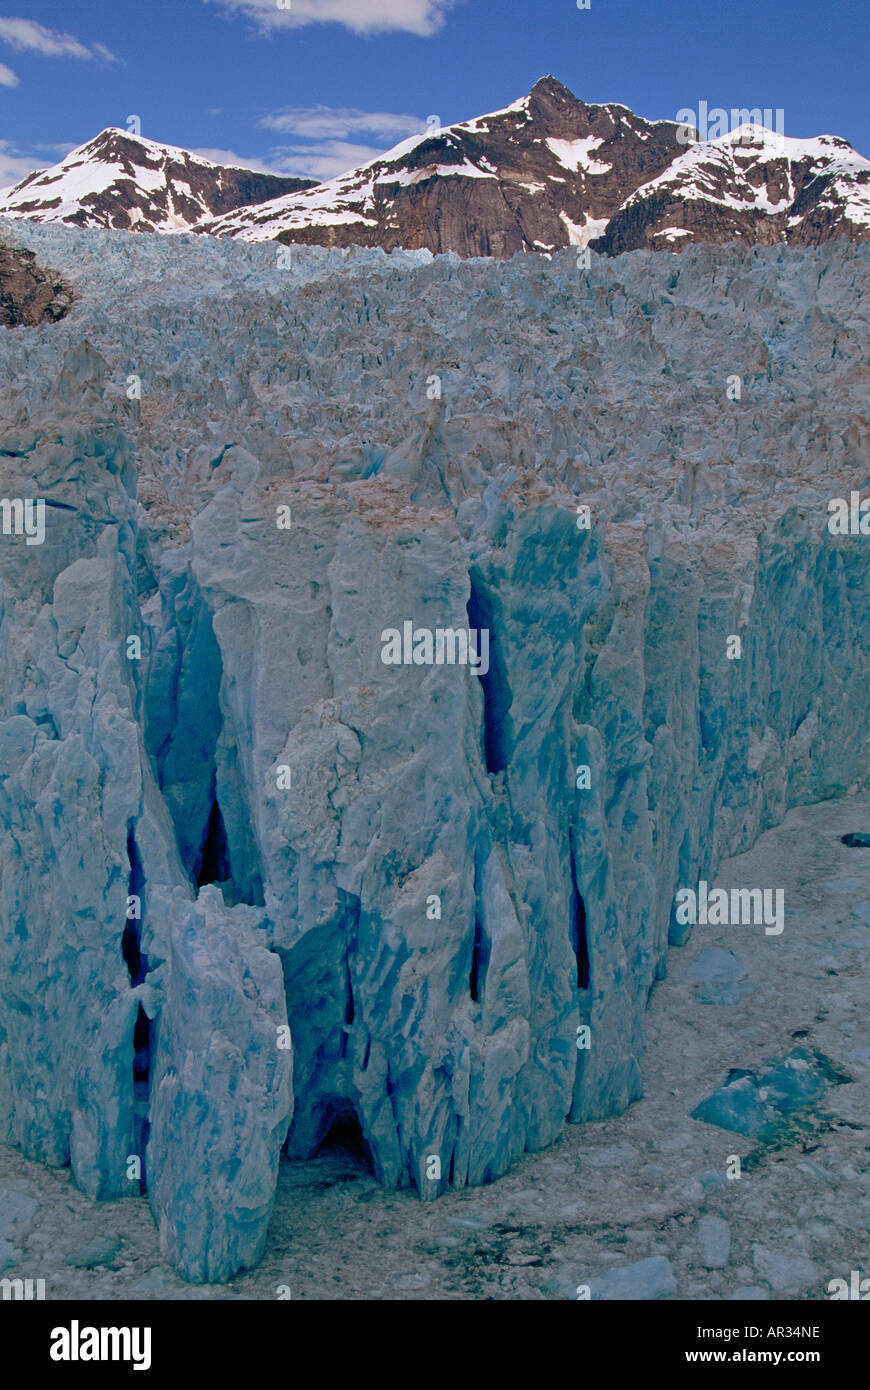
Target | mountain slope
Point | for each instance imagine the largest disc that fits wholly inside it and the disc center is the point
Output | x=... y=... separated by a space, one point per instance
x=550 y=171
x=124 y=181
x=545 y=172
x=748 y=185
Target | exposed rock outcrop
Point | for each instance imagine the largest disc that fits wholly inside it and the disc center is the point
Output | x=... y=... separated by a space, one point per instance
x=29 y=294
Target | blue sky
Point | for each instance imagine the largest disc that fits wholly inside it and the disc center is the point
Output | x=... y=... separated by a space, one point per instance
x=321 y=86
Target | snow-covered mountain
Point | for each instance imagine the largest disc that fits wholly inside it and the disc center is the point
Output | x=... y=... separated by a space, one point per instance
x=547 y=171
x=550 y=171
x=122 y=180
x=751 y=184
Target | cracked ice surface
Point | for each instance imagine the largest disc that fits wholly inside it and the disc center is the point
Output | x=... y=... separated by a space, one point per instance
x=306 y=386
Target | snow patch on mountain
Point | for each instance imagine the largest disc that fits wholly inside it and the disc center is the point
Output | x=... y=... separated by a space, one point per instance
x=734 y=157
x=466 y=169
x=580 y=234
x=576 y=154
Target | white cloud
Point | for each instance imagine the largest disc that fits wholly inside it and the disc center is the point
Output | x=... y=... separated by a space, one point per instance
x=329 y=140
x=337 y=122
x=421 y=17
x=26 y=34
x=323 y=160
x=7 y=77
x=317 y=161
x=15 y=167
x=60 y=149
x=236 y=161
x=320 y=160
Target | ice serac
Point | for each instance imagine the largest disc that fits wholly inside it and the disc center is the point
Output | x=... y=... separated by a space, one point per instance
x=438 y=879
x=70 y=783
x=221 y=1080
x=114 y=1056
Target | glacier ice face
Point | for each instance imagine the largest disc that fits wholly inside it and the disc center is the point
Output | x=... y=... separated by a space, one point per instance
x=432 y=902
x=70 y=785
x=217 y=1060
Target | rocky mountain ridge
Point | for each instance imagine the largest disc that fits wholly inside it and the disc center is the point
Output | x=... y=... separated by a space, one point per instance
x=546 y=172
x=137 y=185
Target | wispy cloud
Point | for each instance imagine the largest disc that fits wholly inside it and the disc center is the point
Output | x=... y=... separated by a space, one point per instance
x=337 y=122
x=329 y=140
x=236 y=161
x=323 y=161
x=59 y=149
x=7 y=77
x=318 y=161
x=14 y=166
x=421 y=17
x=27 y=35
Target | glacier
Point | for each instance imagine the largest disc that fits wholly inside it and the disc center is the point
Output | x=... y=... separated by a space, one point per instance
x=254 y=882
